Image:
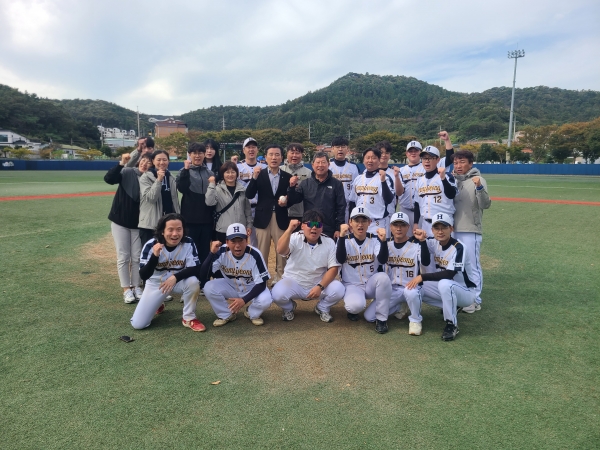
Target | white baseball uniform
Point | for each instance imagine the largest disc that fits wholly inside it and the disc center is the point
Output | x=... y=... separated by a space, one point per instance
x=367 y=192
x=409 y=176
x=246 y=171
x=346 y=173
x=432 y=197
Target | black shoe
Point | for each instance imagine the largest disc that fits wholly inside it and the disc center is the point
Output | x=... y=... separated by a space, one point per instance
x=352 y=317
x=450 y=331
x=381 y=326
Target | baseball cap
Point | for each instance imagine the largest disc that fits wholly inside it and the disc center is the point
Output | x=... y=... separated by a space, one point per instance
x=431 y=150
x=236 y=230
x=249 y=140
x=400 y=217
x=359 y=211
x=415 y=144
x=443 y=218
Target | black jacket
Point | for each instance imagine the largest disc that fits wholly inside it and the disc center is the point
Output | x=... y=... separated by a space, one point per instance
x=327 y=196
x=267 y=202
x=193 y=187
x=125 y=209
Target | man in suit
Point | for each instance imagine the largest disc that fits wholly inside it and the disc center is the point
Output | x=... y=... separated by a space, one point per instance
x=271 y=215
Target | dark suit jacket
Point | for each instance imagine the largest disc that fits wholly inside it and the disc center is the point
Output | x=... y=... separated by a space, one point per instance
x=267 y=202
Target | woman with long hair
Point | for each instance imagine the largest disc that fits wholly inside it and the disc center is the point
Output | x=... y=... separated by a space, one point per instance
x=212 y=160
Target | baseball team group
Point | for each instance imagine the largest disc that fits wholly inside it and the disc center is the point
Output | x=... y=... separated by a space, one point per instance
x=383 y=240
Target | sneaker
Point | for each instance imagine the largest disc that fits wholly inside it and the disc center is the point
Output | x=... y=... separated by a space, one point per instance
x=221 y=322
x=414 y=328
x=381 y=326
x=194 y=324
x=325 y=316
x=403 y=313
x=129 y=296
x=169 y=298
x=160 y=310
x=450 y=331
x=138 y=291
x=352 y=317
x=472 y=308
x=258 y=321
x=289 y=315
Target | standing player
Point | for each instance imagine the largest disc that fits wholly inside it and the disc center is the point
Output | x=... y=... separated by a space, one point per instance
x=360 y=254
x=245 y=277
x=169 y=263
x=405 y=256
x=295 y=167
x=410 y=173
x=373 y=190
x=450 y=287
x=342 y=169
x=310 y=270
x=246 y=169
x=393 y=172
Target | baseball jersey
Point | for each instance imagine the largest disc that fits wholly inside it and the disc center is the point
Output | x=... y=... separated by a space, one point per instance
x=346 y=174
x=409 y=176
x=241 y=274
x=246 y=172
x=392 y=206
x=429 y=194
x=170 y=262
x=361 y=259
x=403 y=261
x=306 y=263
x=452 y=257
x=367 y=193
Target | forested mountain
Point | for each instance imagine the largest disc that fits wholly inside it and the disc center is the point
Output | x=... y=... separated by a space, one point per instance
x=355 y=103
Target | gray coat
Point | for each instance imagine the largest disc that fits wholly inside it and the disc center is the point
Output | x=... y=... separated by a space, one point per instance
x=470 y=203
x=151 y=200
x=239 y=212
x=303 y=173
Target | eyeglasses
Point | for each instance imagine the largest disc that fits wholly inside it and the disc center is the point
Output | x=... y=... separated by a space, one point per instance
x=314 y=223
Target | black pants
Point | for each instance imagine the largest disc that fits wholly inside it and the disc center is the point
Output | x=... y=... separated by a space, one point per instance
x=201 y=234
x=145 y=235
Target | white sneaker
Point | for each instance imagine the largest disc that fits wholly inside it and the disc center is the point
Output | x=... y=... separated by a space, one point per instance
x=258 y=321
x=168 y=298
x=414 y=328
x=289 y=315
x=129 y=296
x=325 y=316
x=138 y=291
x=472 y=308
x=221 y=322
x=403 y=313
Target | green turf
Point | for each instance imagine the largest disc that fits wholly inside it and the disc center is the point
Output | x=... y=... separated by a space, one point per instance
x=545 y=187
x=41 y=182
x=523 y=372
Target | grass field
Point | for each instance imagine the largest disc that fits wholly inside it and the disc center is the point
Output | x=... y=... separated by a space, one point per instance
x=522 y=373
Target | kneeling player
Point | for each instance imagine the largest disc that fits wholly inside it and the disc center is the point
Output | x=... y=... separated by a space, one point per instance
x=310 y=270
x=169 y=263
x=360 y=254
x=450 y=287
x=405 y=256
x=245 y=276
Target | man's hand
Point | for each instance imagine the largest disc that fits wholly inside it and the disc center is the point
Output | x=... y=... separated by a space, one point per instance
x=248 y=231
x=125 y=157
x=314 y=292
x=336 y=235
x=420 y=234
x=344 y=229
x=414 y=282
x=186 y=164
x=382 y=174
x=381 y=234
x=294 y=181
x=442 y=172
x=235 y=304
x=215 y=246
x=157 y=249
x=415 y=228
x=212 y=180
x=168 y=285
x=160 y=175
x=256 y=172
x=282 y=201
x=477 y=181
x=444 y=136
x=396 y=172
x=294 y=223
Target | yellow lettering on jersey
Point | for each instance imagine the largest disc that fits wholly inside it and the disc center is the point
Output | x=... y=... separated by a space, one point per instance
x=360 y=258
x=397 y=260
x=367 y=189
x=434 y=189
x=441 y=262
x=174 y=264
x=232 y=271
x=343 y=176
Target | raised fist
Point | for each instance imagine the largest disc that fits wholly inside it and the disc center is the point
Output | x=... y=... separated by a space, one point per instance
x=382 y=174
x=396 y=171
x=157 y=248
x=186 y=164
x=256 y=171
x=477 y=181
x=214 y=246
x=211 y=180
x=381 y=234
x=344 y=229
x=160 y=174
x=294 y=181
x=444 y=135
x=420 y=234
x=294 y=223
x=125 y=157
x=442 y=172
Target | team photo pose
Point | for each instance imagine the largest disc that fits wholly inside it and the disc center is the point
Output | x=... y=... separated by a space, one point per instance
x=311 y=268
x=124 y=217
x=212 y=159
x=244 y=281
x=360 y=254
x=405 y=256
x=145 y=145
x=158 y=195
x=295 y=167
x=409 y=174
x=246 y=170
x=342 y=169
x=394 y=173
x=169 y=263
x=450 y=287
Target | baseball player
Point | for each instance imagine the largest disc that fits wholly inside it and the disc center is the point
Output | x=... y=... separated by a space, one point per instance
x=409 y=174
x=394 y=173
x=373 y=190
x=342 y=169
x=404 y=258
x=310 y=270
x=169 y=263
x=245 y=277
x=450 y=287
x=246 y=169
x=360 y=254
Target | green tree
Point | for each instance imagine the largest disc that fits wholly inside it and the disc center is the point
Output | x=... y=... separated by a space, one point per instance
x=21 y=153
x=538 y=140
x=486 y=153
x=106 y=150
x=176 y=143
x=593 y=146
x=90 y=154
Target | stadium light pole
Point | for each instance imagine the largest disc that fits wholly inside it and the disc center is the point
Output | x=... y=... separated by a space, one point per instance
x=515 y=54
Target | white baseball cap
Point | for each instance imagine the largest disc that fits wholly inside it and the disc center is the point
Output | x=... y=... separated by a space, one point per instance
x=443 y=218
x=359 y=211
x=236 y=230
x=430 y=150
x=248 y=140
x=414 y=144
x=400 y=217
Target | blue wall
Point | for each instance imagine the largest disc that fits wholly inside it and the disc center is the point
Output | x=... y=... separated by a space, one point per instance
x=535 y=169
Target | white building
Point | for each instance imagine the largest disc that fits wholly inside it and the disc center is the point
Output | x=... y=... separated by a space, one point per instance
x=11 y=139
x=115 y=138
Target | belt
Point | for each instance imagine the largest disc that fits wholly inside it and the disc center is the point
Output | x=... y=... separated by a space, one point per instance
x=428 y=220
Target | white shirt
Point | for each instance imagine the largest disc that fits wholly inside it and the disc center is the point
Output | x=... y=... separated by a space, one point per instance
x=361 y=260
x=346 y=174
x=453 y=257
x=242 y=274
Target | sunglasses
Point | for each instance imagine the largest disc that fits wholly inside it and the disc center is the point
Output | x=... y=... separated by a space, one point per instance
x=314 y=223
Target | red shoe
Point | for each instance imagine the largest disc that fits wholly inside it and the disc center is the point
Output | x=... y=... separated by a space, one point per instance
x=160 y=309
x=194 y=324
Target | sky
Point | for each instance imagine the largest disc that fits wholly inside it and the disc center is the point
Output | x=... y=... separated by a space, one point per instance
x=172 y=57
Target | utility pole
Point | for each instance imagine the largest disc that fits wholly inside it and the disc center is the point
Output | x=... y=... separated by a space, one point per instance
x=138 y=120
x=309 y=132
x=515 y=54
x=348 y=135
x=223 y=123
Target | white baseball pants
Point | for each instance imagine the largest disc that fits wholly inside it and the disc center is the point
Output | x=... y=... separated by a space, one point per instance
x=287 y=290
x=217 y=292
x=448 y=295
x=472 y=244
x=378 y=287
x=400 y=295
